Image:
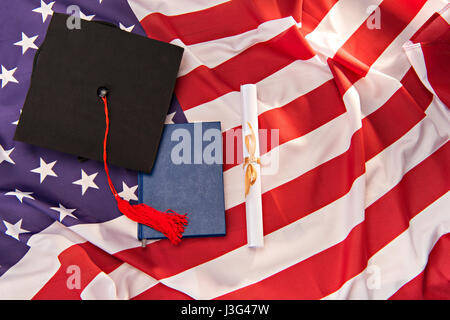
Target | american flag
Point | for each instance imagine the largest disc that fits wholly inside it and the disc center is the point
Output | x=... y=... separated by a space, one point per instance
x=358 y=209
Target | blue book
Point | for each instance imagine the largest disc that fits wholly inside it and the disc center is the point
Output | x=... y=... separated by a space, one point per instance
x=187 y=178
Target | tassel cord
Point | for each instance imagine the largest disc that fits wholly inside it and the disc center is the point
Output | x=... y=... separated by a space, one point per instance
x=170 y=223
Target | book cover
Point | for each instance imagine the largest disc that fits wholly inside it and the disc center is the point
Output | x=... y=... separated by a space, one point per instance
x=187 y=177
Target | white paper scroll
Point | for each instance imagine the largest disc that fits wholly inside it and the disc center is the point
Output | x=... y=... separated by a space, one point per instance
x=251 y=167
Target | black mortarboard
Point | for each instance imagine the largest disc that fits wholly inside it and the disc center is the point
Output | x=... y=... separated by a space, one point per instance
x=101 y=93
x=63 y=111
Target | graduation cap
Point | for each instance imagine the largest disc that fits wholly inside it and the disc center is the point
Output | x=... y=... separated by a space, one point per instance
x=101 y=93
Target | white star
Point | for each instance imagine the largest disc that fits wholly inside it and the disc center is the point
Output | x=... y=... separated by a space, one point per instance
x=4 y=155
x=8 y=76
x=64 y=212
x=86 y=181
x=20 y=194
x=45 y=169
x=169 y=118
x=26 y=43
x=129 y=29
x=17 y=121
x=14 y=230
x=45 y=9
x=85 y=17
x=128 y=193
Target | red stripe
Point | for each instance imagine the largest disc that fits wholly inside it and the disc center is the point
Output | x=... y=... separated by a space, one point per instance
x=304 y=114
x=381 y=128
x=344 y=79
x=433 y=282
x=310 y=191
x=353 y=60
x=57 y=287
x=224 y=20
x=437 y=57
x=319 y=106
x=390 y=122
x=339 y=174
x=237 y=239
x=161 y=292
x=313 y=12
x=385 y=219
x=251 y=66
x=434 y=28
x=416 y=90
x=280 y=51
x=363 y=48
x=293 y=120
x=103 y=260
x=434 y=37
x=157 y=258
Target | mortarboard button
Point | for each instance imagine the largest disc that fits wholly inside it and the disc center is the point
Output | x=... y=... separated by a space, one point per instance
x=102 y=92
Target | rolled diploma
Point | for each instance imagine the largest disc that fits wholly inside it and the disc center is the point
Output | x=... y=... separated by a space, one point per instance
x=253 y=204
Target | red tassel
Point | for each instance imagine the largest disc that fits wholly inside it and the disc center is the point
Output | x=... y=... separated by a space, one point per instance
x=169 y=223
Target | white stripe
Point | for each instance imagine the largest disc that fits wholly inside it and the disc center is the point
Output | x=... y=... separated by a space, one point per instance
x=402 y=259
x=26 y=278
x=116 y=235
x=303 y=154
x=383 y=78
x=423 y=139
x=124 y=283
x=339 y=24
x=130 y=281
x=282 y=249
x=285 y=247
x=101 y=287
x=445 y=12
x=374 y=90
x=296 y=157
x=300 y=77
x=414 y=53
x=366 y=102
x=111 y=236
x=293 y=80
x=39 y=264
x=440 y=115
x=278 y=89
x=214 y=52
x=393 y=61
x=417 y=60
x=383 y=171
x=143 y=8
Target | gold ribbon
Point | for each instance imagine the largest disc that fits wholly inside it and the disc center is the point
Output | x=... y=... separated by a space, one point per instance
x=251 y=160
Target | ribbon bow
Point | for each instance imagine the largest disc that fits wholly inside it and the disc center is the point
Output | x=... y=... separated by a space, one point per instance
x=251 y=160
